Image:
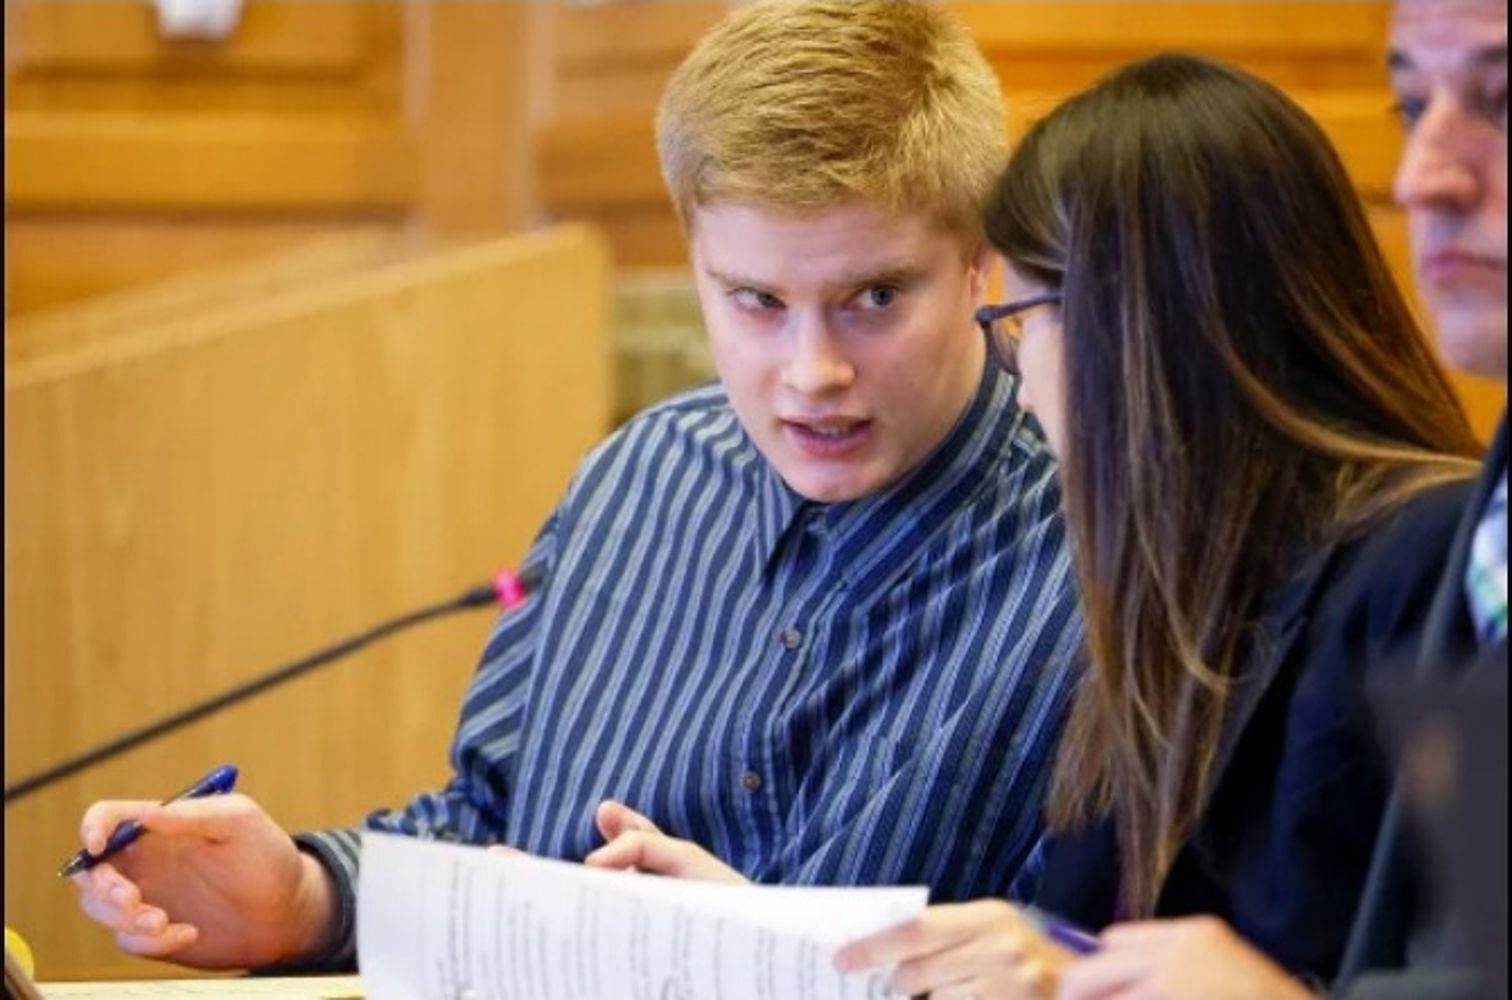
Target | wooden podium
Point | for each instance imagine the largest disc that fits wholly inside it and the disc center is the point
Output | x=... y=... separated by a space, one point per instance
x=205 y=481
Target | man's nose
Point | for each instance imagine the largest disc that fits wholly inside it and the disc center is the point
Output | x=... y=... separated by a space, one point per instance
x=1437 y=169
x=816 y=365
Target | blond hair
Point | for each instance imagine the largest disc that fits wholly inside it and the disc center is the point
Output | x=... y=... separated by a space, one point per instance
x=806 y=105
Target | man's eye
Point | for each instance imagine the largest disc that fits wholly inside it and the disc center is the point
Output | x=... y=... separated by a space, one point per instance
x=1493 y=107
x=879 y=297
x=1409 y=109
x=751 y=298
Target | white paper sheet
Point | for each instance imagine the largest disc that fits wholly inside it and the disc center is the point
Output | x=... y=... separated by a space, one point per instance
x=443 y=922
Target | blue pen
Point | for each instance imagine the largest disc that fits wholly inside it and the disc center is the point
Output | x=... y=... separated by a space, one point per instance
x=1063 y=932
x=217 y=782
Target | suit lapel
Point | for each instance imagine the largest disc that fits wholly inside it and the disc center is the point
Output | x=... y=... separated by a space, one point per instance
x=1450 y=607
x=1382 y=921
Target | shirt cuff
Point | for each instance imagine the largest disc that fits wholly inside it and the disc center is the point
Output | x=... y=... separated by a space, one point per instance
x=337 y=851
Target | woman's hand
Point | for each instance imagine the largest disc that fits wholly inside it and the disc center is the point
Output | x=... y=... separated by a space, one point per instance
x=968 y=951
x=1193 y=958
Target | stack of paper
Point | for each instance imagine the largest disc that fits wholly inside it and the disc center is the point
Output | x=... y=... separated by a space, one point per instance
x=440 y=921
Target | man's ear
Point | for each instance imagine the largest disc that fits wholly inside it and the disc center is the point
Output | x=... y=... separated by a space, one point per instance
x=982 y=269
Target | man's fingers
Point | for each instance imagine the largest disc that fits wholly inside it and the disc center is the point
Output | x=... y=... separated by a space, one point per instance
x=109 y=898
x=623 y=853
x=100 y=880
x=106 y=895
x=654 y=853
x=614 y=818
x=659 y=854
x=102 y=818
x=165 y=943
x=214 y=817
x=121 y=909
x=506 y=849
x=104 y=910
x=606 y=818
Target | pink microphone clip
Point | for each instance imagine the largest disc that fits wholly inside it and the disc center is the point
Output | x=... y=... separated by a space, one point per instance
x=509 y=589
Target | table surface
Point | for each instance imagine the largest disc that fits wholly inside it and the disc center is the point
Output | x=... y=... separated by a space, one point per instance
x=251 y=988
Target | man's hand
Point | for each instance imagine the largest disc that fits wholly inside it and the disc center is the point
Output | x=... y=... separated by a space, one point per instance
x=635 y=844
x=982 y=950
x=1200 y=958
x=214 y=883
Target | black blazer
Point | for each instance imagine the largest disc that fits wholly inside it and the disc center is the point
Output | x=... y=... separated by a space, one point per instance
x=1392 y=908
x=1300 y=781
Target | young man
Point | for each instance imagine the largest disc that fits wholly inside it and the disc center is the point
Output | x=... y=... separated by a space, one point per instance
x=1449 y=70
x=816 y=619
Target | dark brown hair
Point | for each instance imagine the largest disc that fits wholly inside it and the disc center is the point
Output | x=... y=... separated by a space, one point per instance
x=1243 y=379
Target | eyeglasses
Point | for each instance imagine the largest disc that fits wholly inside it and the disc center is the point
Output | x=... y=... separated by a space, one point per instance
x=1003 y=335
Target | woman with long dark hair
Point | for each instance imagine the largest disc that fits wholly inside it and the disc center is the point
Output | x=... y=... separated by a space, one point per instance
x=1262 y=467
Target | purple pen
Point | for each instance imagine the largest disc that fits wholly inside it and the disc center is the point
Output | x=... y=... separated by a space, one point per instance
x=1063 y=932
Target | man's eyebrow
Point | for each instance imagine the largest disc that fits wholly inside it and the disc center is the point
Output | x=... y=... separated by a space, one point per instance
x=893 y=273
x=734 y=280
x=899 y=272
x=1490 y=55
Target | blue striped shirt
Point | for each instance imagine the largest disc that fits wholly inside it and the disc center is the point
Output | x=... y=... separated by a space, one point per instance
x=857 y=693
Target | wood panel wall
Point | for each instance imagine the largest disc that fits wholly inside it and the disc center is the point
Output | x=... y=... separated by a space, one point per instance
x=131 y=157
x=595 y=157
x=201 y=498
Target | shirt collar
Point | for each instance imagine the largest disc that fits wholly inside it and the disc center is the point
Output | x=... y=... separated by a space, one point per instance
x=777 y=507
x=879 y=532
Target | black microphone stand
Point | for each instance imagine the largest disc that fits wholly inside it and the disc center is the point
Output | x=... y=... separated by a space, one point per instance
x=477 y=597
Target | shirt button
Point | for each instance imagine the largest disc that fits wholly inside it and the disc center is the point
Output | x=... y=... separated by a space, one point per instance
x=751 y=780
x=792 y=638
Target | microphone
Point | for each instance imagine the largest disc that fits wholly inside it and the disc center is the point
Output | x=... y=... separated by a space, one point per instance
x=507 y=589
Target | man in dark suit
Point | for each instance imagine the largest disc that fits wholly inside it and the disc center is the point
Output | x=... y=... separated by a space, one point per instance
x=1449 y=69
